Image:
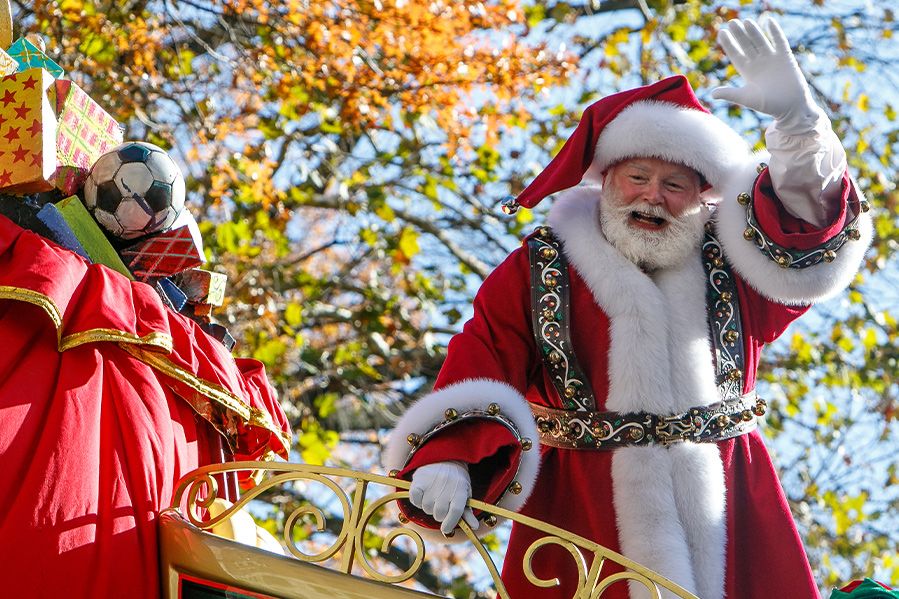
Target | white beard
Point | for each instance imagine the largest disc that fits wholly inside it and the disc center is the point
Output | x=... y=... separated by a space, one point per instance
x=650 y=250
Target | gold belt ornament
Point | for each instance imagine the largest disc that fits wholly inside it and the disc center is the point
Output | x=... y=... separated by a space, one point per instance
x=570 y=429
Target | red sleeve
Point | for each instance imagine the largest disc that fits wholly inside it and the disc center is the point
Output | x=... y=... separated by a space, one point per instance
x=785 y=229
x=497 y=343
x=490 y=449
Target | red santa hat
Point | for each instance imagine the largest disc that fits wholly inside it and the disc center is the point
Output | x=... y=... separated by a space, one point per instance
x=663 y=120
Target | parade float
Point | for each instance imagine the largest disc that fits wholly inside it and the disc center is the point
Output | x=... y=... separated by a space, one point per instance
x=102 y=277
x=104 y=307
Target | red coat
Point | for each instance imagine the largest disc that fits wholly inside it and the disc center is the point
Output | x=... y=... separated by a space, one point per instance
x=712 y=517
x=107 y=398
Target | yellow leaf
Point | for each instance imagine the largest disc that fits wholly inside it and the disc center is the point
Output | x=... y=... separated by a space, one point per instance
x=409 y=242
x=385 y=212
x=293 y=314
x=863 y=102
x=870 y=339
x=524 y=216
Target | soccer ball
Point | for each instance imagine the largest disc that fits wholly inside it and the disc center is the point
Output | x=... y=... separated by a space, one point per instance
x=134 y=190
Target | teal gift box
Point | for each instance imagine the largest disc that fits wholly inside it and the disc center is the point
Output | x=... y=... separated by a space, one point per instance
x=30 y=56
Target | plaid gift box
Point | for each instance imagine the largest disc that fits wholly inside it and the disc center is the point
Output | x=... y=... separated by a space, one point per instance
x=51 y=132
x=85 y=132
x=162 y=255
x=30 y=56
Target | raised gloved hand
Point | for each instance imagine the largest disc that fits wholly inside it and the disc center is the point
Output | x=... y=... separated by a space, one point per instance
x=441 y=491
x=773 y=82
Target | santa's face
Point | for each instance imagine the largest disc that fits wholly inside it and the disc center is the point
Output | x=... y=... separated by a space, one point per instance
x=651 y=211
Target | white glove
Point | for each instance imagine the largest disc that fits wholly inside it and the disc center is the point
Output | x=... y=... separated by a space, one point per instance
x=773 y=82
x=441 y=491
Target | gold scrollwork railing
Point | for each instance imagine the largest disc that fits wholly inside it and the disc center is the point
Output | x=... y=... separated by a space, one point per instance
x=198 y=489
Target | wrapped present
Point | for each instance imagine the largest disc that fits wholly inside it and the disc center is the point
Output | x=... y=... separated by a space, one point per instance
x=171 y=294
x=89 y=235
x=51 y=132
x=162 y=255
x=217 y=331
x=186 y=219
x=8 y=64
x=202 y=286
x=29 y=56
x=27 y=132
x=865 y=589
x=60 y=231
x=84 y=133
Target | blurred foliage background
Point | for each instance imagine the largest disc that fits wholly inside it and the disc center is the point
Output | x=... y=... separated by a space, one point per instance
x=345 y=159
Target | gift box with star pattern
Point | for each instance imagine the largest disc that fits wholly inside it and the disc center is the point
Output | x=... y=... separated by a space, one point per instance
x=51 y=132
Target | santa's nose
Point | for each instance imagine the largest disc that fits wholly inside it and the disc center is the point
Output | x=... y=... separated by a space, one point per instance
x=653 y=194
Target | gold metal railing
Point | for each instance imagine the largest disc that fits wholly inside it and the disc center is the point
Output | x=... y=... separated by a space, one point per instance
x=197 y=491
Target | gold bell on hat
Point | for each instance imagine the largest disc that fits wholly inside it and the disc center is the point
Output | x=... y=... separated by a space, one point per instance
x=510 y=205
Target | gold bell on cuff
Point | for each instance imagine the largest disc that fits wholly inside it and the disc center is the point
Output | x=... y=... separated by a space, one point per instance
x=854 y=235
x=490 y=520
x=493 y=409
x=749 y=234
x=402 y=518
x=393 y=473
x=413 y=439
x=743 y=199
x=451 y=414
x=830 y=256
x=515 y=488
x=526 y=444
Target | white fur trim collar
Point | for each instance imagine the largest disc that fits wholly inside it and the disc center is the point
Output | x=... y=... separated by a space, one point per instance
x=660 y=361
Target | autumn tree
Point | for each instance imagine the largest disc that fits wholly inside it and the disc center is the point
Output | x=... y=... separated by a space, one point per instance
x=345 y=158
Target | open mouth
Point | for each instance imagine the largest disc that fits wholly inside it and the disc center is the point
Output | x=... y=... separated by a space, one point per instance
x=647 y=220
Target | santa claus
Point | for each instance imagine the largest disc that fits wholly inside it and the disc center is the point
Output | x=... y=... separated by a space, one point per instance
x=625 y=337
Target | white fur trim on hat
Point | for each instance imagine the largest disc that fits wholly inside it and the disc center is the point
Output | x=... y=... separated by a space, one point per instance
x=653 y=129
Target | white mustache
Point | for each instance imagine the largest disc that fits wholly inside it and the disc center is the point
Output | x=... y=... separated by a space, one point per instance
x=650 y=210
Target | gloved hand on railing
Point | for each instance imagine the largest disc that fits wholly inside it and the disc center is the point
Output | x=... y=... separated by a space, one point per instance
x=441 y=491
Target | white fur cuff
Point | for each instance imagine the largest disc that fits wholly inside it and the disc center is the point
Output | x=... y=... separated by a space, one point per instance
x=467 y=396
x=788 y=285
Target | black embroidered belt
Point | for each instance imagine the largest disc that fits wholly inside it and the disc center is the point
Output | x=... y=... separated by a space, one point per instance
x=572 y=429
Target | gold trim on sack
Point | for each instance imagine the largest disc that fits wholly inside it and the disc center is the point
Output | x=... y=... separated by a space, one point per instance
x=156 y=339
x=33 y=297
x=210 y=391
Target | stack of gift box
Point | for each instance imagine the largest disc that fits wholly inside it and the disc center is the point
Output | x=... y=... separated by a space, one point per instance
x=51 y=133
